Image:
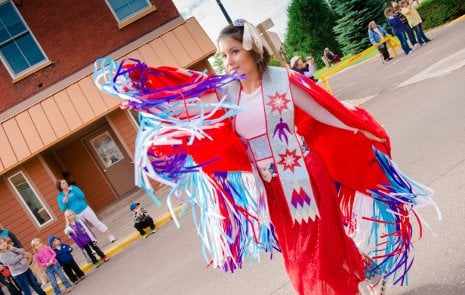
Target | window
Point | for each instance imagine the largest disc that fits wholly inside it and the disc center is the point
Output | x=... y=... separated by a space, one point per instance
x=29 y=197
x=124 y=9
x=19 y=50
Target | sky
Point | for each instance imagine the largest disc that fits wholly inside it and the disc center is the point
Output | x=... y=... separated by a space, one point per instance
x=212 y=20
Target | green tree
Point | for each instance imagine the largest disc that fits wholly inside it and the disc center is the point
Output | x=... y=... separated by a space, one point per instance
x=218 y=63
x=352 y=22
x=310 y=29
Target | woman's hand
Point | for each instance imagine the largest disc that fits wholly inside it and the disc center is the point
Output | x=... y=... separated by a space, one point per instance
x=373 y=137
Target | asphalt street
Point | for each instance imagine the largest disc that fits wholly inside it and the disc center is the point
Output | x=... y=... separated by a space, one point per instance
x=420 y=100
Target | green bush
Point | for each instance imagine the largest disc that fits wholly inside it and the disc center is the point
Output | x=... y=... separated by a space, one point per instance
x=438 y=12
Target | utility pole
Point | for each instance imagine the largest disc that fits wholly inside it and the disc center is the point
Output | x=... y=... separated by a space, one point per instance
x=225 y=13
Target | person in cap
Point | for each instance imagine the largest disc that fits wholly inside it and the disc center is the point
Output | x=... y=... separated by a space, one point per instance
x=298 y=65
x=142 y=219
x=66 y=259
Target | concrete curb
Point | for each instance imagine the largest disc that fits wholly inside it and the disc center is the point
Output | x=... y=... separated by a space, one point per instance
x=125 y=243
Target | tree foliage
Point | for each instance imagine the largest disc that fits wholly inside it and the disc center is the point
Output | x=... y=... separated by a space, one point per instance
x=218 y=63
x=310 y=29
x=352 y=22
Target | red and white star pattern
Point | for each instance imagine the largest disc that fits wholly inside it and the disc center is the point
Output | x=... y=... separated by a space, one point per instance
x=278 y=102
x=289 y=160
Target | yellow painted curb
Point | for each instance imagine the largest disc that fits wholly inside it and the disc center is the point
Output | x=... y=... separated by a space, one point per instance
x=459 y=19
x=125 y=243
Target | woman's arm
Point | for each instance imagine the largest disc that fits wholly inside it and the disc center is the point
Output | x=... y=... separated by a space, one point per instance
x=63 y=206
x=371 y=37
x=311 y=107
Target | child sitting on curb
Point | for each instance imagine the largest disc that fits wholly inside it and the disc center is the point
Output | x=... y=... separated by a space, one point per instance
x=46 y=258
x=66 y=259
x=83 y=237
x=142 y=219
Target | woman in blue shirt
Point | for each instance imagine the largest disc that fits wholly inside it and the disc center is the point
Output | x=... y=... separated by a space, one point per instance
x=71 y=197
x=376 y=34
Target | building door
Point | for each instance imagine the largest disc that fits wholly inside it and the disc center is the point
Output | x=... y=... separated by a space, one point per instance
x=112 y=159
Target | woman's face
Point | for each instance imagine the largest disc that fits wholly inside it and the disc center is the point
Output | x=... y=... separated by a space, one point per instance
x=235 y=57
x=63 y=184
x=373 y=25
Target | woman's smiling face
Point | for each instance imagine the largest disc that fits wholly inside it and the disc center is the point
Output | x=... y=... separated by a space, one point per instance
x=235 y=57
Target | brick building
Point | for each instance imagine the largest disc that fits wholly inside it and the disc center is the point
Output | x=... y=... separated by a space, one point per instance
x=54 y=123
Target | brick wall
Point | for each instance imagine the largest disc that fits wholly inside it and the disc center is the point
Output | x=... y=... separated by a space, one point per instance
x=73 y=34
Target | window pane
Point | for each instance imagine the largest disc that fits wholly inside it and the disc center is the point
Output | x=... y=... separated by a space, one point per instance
x=10 y=23
x=30 y=50
x=127 y=8
x=30 y=198
x=137 y=5
x=13 y=55
x=18 y=48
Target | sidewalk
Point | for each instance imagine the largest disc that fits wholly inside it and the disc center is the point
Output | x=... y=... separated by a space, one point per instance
x=119 y=220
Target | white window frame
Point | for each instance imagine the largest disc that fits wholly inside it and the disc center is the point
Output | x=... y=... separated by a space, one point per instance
x=30 y=69
x=38 y=196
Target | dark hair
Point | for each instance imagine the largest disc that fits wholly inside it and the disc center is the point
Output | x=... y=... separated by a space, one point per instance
x=58 y=184
x=237 y=32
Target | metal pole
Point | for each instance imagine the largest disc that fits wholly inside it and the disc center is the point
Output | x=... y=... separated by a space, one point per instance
x=225 y=13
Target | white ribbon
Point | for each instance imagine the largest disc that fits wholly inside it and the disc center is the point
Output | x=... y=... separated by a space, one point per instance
x=252 y=37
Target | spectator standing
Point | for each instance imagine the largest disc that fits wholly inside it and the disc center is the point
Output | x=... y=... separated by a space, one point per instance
x=71 y=197
x=310 y=69
x=398 y=29
x=14 y=258
x=376 y=33
x=83 y=237
x=66 y=259
x=7 y=233
x=46 y=258
x=142 y=219
x=408 y=29
x=415 y=21
x=297 y=64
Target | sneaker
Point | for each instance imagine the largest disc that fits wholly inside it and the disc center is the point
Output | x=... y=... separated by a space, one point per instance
x=97 y=264
x=144 y=236
x=153 y=231
x=112 y=238
x=106 y=259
